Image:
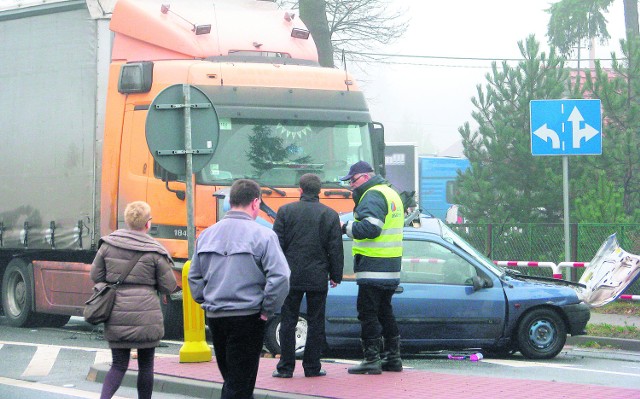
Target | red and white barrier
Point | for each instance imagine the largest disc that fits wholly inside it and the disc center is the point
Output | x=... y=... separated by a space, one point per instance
x=513 y=263
x=571 y=265
x=423 y=260
x=629 y=297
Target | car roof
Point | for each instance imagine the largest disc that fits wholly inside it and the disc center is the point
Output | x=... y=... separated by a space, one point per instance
x=426 y=225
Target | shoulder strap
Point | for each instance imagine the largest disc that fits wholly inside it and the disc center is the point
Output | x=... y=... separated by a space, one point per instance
x=131 y=266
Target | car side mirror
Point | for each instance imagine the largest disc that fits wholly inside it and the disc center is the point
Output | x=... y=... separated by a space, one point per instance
x=479 y=283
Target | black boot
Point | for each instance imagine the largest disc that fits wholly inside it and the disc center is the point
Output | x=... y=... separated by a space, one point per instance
x=371 y=363
x=391 y=356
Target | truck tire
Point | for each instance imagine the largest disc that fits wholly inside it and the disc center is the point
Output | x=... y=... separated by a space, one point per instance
x=541 y=334
x=272 y=335
x=17 y=295
x=173 y=319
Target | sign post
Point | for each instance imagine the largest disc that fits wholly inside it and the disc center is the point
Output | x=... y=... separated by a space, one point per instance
x=172 y=132
x=566 y=127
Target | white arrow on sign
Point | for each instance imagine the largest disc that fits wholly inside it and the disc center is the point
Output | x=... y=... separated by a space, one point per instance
x=588 y=132
x=547 y=134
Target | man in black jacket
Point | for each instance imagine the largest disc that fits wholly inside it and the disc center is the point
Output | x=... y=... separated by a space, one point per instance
x=311 y=240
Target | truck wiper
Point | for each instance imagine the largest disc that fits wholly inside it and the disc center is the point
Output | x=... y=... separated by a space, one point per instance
x=268 y=210
x=277 y=190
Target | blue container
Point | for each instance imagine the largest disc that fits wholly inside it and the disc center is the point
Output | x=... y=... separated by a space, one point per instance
x=437 y=183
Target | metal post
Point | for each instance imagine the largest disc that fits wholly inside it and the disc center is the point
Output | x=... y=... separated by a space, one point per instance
x=191 y=230
x=565 y=195
x=195 y=348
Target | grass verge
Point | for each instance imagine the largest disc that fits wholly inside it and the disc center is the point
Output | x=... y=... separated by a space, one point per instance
x=609 y=331
x=624 y=308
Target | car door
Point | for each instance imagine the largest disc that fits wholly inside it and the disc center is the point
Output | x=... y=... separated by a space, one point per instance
x=438 y=303
x=342 y=325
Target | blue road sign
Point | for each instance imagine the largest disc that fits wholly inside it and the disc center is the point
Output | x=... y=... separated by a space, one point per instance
x=566 y=127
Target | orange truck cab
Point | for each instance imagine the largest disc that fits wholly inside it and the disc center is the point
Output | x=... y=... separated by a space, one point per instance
x=279 y=115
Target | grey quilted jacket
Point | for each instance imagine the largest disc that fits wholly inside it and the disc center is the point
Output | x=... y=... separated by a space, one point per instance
x=136 y=320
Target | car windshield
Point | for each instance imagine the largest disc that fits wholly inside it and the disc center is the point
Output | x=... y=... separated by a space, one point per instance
x=450 y=236
x=277 y=153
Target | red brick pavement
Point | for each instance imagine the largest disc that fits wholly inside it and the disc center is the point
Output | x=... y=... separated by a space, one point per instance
x=410 y=383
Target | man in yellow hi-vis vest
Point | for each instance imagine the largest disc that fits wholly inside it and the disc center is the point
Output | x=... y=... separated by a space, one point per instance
x=377 y=255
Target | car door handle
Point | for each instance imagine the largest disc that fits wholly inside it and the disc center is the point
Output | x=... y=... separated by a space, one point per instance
x=399 y=290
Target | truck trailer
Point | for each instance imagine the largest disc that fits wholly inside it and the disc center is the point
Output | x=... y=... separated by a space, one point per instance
x=78 y=80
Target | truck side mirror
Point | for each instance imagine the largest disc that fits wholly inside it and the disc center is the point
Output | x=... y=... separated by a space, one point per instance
x=377 y=143
x=166 y=177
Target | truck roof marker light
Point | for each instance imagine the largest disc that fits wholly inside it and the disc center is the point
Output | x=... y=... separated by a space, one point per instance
x=203 y=29
x=198 y=29
x=299 y=33
x=289 y=16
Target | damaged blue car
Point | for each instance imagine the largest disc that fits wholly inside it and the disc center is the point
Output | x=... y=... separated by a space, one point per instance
x=451 y=297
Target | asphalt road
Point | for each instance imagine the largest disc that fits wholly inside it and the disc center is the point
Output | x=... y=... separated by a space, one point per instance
x=54 y=362
x=44 y=363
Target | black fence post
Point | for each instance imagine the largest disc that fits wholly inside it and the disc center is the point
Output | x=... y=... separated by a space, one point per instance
x=489 y=242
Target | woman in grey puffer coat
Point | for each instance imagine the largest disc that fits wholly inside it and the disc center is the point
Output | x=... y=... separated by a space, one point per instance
x=136 y=319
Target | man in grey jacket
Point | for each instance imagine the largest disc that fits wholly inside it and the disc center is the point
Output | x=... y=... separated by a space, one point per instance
x=240 y=277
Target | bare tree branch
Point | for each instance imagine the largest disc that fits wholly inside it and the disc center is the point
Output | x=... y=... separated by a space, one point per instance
x=355 y=26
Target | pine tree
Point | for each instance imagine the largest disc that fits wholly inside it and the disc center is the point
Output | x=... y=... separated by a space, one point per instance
x=618 y=91
x=505 y=183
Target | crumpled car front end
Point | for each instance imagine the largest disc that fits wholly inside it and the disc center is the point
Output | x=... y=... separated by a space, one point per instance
x=610 y=272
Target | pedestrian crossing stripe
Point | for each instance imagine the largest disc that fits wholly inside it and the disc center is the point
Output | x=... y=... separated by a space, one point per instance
x=42 y=361
x=52 y=389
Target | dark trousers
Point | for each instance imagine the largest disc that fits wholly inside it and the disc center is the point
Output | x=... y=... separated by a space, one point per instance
x=376 y=313
x=119 y=366
x=316 y=302
x=237 y=343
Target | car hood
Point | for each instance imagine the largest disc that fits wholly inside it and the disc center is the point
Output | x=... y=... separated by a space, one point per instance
x=610 y=272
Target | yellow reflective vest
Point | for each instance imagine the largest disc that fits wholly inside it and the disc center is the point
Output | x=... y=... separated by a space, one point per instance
x=389 y=243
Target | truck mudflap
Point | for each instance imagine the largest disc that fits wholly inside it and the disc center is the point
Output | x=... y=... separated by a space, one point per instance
x=578 y=315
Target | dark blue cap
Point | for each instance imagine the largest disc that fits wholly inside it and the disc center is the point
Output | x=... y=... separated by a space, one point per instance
x=356 y=168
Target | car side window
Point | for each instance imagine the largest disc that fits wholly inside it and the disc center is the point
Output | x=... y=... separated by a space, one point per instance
x=431 y=263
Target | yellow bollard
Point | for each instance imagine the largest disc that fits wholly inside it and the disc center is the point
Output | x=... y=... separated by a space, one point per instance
x=195 y=348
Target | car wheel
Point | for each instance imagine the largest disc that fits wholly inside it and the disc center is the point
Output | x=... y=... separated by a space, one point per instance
x=541 y=334
x=272 y=335
x=17 y=295
x=173 y=319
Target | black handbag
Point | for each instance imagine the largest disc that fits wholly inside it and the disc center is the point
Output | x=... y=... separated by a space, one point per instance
x=98 y=308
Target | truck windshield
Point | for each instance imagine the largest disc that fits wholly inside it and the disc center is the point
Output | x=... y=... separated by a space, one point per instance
x=277 y=153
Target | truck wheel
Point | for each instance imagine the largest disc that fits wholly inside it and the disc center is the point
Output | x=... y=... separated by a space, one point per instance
x=272 y=335
x=17 y=295
x=173 y=319
x=541 y=334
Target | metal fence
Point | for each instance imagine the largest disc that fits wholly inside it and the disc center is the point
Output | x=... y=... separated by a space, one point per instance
x=545 y=243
